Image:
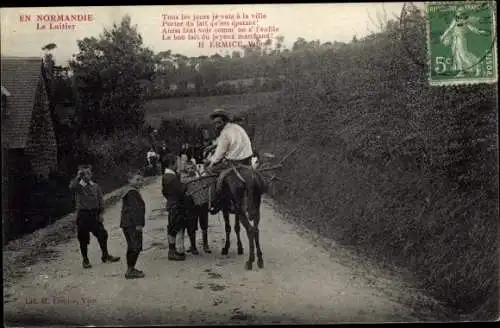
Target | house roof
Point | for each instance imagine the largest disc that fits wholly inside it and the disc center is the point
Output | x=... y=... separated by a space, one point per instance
x=20 y=75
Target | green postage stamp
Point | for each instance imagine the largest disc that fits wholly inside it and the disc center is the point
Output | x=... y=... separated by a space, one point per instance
x=461 y=40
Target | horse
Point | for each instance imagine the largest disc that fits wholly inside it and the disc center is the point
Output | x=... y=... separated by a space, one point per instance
x=243 y=188
x=244 y=191
x=227 y=223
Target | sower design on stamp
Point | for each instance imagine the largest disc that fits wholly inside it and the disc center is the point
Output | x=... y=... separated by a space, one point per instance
x=461 y=43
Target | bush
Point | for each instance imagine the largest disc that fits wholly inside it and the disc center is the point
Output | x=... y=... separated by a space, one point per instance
x=176 y=132
x=35 y=202
x=392 y=166
x=114 y=155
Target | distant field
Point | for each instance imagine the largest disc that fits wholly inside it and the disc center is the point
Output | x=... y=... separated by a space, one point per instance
x=197 y=109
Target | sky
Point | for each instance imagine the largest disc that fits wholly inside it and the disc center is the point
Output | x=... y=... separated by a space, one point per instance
x=326 y=22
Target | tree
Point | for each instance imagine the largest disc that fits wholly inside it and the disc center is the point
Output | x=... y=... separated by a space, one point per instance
x=301 y=43
x=164 y=63
x=279 y=43
x=266 y=47
x=108 y=71
x=205 y=73
x=208 y=75
x=252 y=49
x=183 y=71
x=165 y=71
x=313 y=44
x=216 y=57
x=60 y=94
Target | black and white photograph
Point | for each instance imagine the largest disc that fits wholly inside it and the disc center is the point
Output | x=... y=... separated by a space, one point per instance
x=250 y=164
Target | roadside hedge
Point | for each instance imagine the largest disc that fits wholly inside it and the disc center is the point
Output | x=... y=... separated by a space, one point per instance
x=401 y=170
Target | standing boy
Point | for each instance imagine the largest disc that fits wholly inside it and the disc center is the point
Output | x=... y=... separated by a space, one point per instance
x=90 y=207
x=186 y=175
x=132 y=222
x=175 y=193
x=192 y=214
x=197 y=213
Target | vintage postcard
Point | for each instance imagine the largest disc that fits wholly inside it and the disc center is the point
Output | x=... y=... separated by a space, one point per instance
x=250 y=164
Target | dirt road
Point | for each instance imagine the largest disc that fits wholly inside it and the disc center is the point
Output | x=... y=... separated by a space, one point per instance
x=302 y=282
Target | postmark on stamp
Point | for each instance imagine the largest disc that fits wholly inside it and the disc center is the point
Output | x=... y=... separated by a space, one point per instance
x=461 y=40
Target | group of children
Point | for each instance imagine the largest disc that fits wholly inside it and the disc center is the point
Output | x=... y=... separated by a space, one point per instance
x=183 y=215
x=89 y=218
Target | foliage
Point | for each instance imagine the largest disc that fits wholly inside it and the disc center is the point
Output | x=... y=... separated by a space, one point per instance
x=390 y=165
x=175 y=132
x=108 y=71
x=214 y=75
x=113 y=156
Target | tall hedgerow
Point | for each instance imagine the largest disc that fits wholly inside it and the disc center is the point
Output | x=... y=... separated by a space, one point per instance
x=404 y=171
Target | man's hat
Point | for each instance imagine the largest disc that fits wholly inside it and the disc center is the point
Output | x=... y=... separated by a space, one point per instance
x=238 y=118
x=220 y=113
x=85 y=167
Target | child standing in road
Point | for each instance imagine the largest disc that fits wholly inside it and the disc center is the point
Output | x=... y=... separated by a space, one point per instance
x=132 y=222
x=191 y=225
x=197 y=213
x=175 y=193
x=90 y=208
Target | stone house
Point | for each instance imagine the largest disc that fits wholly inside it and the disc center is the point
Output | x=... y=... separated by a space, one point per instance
x=29 y=147
x=27 y=128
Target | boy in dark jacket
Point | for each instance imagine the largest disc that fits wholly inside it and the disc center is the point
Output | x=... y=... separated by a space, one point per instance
x=175 y=193
x=132 y=222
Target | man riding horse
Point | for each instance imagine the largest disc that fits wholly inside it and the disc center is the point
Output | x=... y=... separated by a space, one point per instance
x=239 y=185
x=233 y=148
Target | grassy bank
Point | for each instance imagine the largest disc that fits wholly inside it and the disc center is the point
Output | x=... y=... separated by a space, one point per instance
x=405 y=172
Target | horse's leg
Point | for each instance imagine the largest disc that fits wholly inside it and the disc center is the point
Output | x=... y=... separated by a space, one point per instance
x=227 y=226
x=250 y=233
x=237 y=228
x=260 y=260
x=179 y=241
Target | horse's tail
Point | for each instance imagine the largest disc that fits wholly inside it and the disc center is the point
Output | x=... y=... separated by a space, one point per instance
x=259 y=182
